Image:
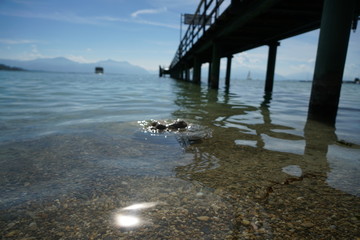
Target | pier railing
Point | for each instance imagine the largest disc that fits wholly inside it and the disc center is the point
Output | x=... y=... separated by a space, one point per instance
x=205 y=15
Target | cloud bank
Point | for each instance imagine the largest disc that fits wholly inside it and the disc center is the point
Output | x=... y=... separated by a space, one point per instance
x=148 y=11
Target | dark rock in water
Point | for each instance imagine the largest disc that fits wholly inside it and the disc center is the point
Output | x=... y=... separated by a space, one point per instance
x=157 y=126
x=185 y=133
x=178 y=124
x=160 y=126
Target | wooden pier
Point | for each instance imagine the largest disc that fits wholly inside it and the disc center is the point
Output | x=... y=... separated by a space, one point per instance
x=240 y=25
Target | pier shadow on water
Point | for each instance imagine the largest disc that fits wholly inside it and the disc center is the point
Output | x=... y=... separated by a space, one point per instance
x=283 y=182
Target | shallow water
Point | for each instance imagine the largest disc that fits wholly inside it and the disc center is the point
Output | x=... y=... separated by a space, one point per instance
x=77 y=164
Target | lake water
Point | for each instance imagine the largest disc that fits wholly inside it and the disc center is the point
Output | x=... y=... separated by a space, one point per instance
x=77 y=163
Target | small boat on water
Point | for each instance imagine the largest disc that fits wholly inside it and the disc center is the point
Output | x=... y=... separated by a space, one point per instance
x=99 y=70
x=249 y=76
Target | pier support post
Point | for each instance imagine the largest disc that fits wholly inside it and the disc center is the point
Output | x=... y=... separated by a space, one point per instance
x=176 y=73
x=209 y=74
x=335 y=29
x=215 y=66
x=228 y=71
x=197 y=70
x=181 y=72
x=269 y=81
x=187 y=72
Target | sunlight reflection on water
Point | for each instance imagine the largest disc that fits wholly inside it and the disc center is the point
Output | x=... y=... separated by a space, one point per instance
x=130 y=216
x=283 y=145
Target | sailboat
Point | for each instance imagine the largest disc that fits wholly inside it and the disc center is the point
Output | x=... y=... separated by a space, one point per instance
x=249 y=76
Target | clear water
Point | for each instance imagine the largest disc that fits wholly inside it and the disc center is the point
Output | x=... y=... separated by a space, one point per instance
x=76 y=163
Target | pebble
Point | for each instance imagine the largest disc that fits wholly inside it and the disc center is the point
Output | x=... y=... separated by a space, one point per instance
x=12 y=233
x=245 y=222
x=203 y=218
x=33 y=226
x=199 y=194
x=332 y=227
x=185 y=211
x=307 y=224
x=10 y=225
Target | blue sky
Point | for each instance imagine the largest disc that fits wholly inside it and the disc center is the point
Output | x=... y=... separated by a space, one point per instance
x=142 y=32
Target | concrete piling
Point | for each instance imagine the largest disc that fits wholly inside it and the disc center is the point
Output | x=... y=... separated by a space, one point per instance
x=215 y=66
x=270 y=72
x=330 y=59
x=197 y=70
x=228 y=71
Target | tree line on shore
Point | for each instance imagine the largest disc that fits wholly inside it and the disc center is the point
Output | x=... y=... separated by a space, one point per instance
x=8 y=68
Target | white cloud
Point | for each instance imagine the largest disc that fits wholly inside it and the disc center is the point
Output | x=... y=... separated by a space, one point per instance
x=95 y=20
x=311 y=60
x=138 y=21
x=79 y=59
x=112 y=19
x=34 y=53
x=160 y=24
x=300 y=68
x=30 y=54
x=56 y=16
x=254 y=60
x=16 y=41
x=148 y=11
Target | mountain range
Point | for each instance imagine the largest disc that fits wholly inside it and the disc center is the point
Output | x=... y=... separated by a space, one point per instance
x=61 y=64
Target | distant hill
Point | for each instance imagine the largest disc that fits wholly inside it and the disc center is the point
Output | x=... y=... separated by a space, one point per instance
x=8 y=68
x=61 y=64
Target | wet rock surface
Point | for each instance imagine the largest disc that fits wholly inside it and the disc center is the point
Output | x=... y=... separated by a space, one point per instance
x=164 y=125
x=186 y=133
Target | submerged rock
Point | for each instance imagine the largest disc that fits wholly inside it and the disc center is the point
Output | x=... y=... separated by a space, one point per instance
x=178 y=124
x=160 y=126
x=185 y=133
